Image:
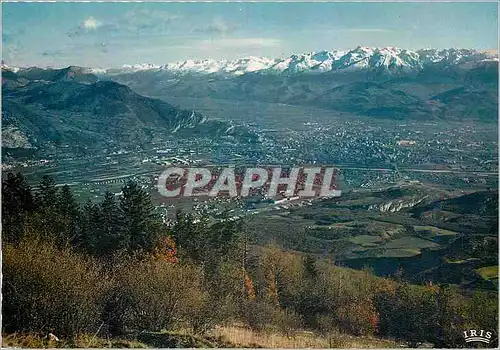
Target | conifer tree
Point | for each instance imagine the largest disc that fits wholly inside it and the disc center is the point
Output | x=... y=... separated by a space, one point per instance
x=47 y=192
x=89 y=239
x=189 y=236
x=66 y=203
x=17 y=202
x=203 y=242
x=141 y=224
x=48 y=221
x=109 y=226
x=68 y=212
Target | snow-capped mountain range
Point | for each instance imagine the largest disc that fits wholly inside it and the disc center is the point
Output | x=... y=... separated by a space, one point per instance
x=390 y=58
x=322 y=61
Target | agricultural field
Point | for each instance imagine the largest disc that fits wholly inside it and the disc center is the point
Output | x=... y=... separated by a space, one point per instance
x=435 y=239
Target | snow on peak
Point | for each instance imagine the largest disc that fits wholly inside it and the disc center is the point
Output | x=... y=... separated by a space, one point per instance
x=10 y=68
x=139 y=67
x=361 y=57
x=238 y=66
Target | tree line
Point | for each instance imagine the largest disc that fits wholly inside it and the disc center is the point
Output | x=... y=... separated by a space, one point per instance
x=129 y=224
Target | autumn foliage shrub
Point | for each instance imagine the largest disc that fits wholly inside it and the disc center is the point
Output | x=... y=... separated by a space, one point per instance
x=50 y=289
x=437 y=315
x=264 y=316
x=159 y=294
x=357 y=318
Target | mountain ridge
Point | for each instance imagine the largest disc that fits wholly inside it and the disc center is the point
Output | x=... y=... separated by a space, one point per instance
x=361 y=57
x=391 y=58
x=72 y=108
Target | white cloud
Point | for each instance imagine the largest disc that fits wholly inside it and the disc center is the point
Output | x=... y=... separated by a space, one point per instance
x=90 y=23
x=140 y=21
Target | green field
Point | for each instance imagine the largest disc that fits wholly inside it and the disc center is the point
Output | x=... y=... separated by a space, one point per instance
x=488 y=272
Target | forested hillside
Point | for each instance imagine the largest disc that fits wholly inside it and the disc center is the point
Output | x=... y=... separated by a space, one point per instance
x=114 y=270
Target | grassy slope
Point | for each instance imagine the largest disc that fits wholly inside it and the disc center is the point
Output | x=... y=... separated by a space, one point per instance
x=228 y=337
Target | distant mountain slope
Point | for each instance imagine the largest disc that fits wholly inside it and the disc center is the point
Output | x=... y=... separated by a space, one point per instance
x=70 y=107
x=483 y=203
x=372 y=99
x=437 y=91
x=475 y=103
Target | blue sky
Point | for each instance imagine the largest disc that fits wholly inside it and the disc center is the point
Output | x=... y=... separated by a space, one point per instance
x=112 y=34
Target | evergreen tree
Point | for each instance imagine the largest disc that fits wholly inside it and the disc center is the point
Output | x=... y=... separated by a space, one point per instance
x=208 y=244
x=141 y=224
x=109 y=225
x=47 y=192
x=219 y=241
x=309 y=302
x=188 y=235
x=89 y=238
x=68 y=211
x=17 y=202
x=66 y=203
